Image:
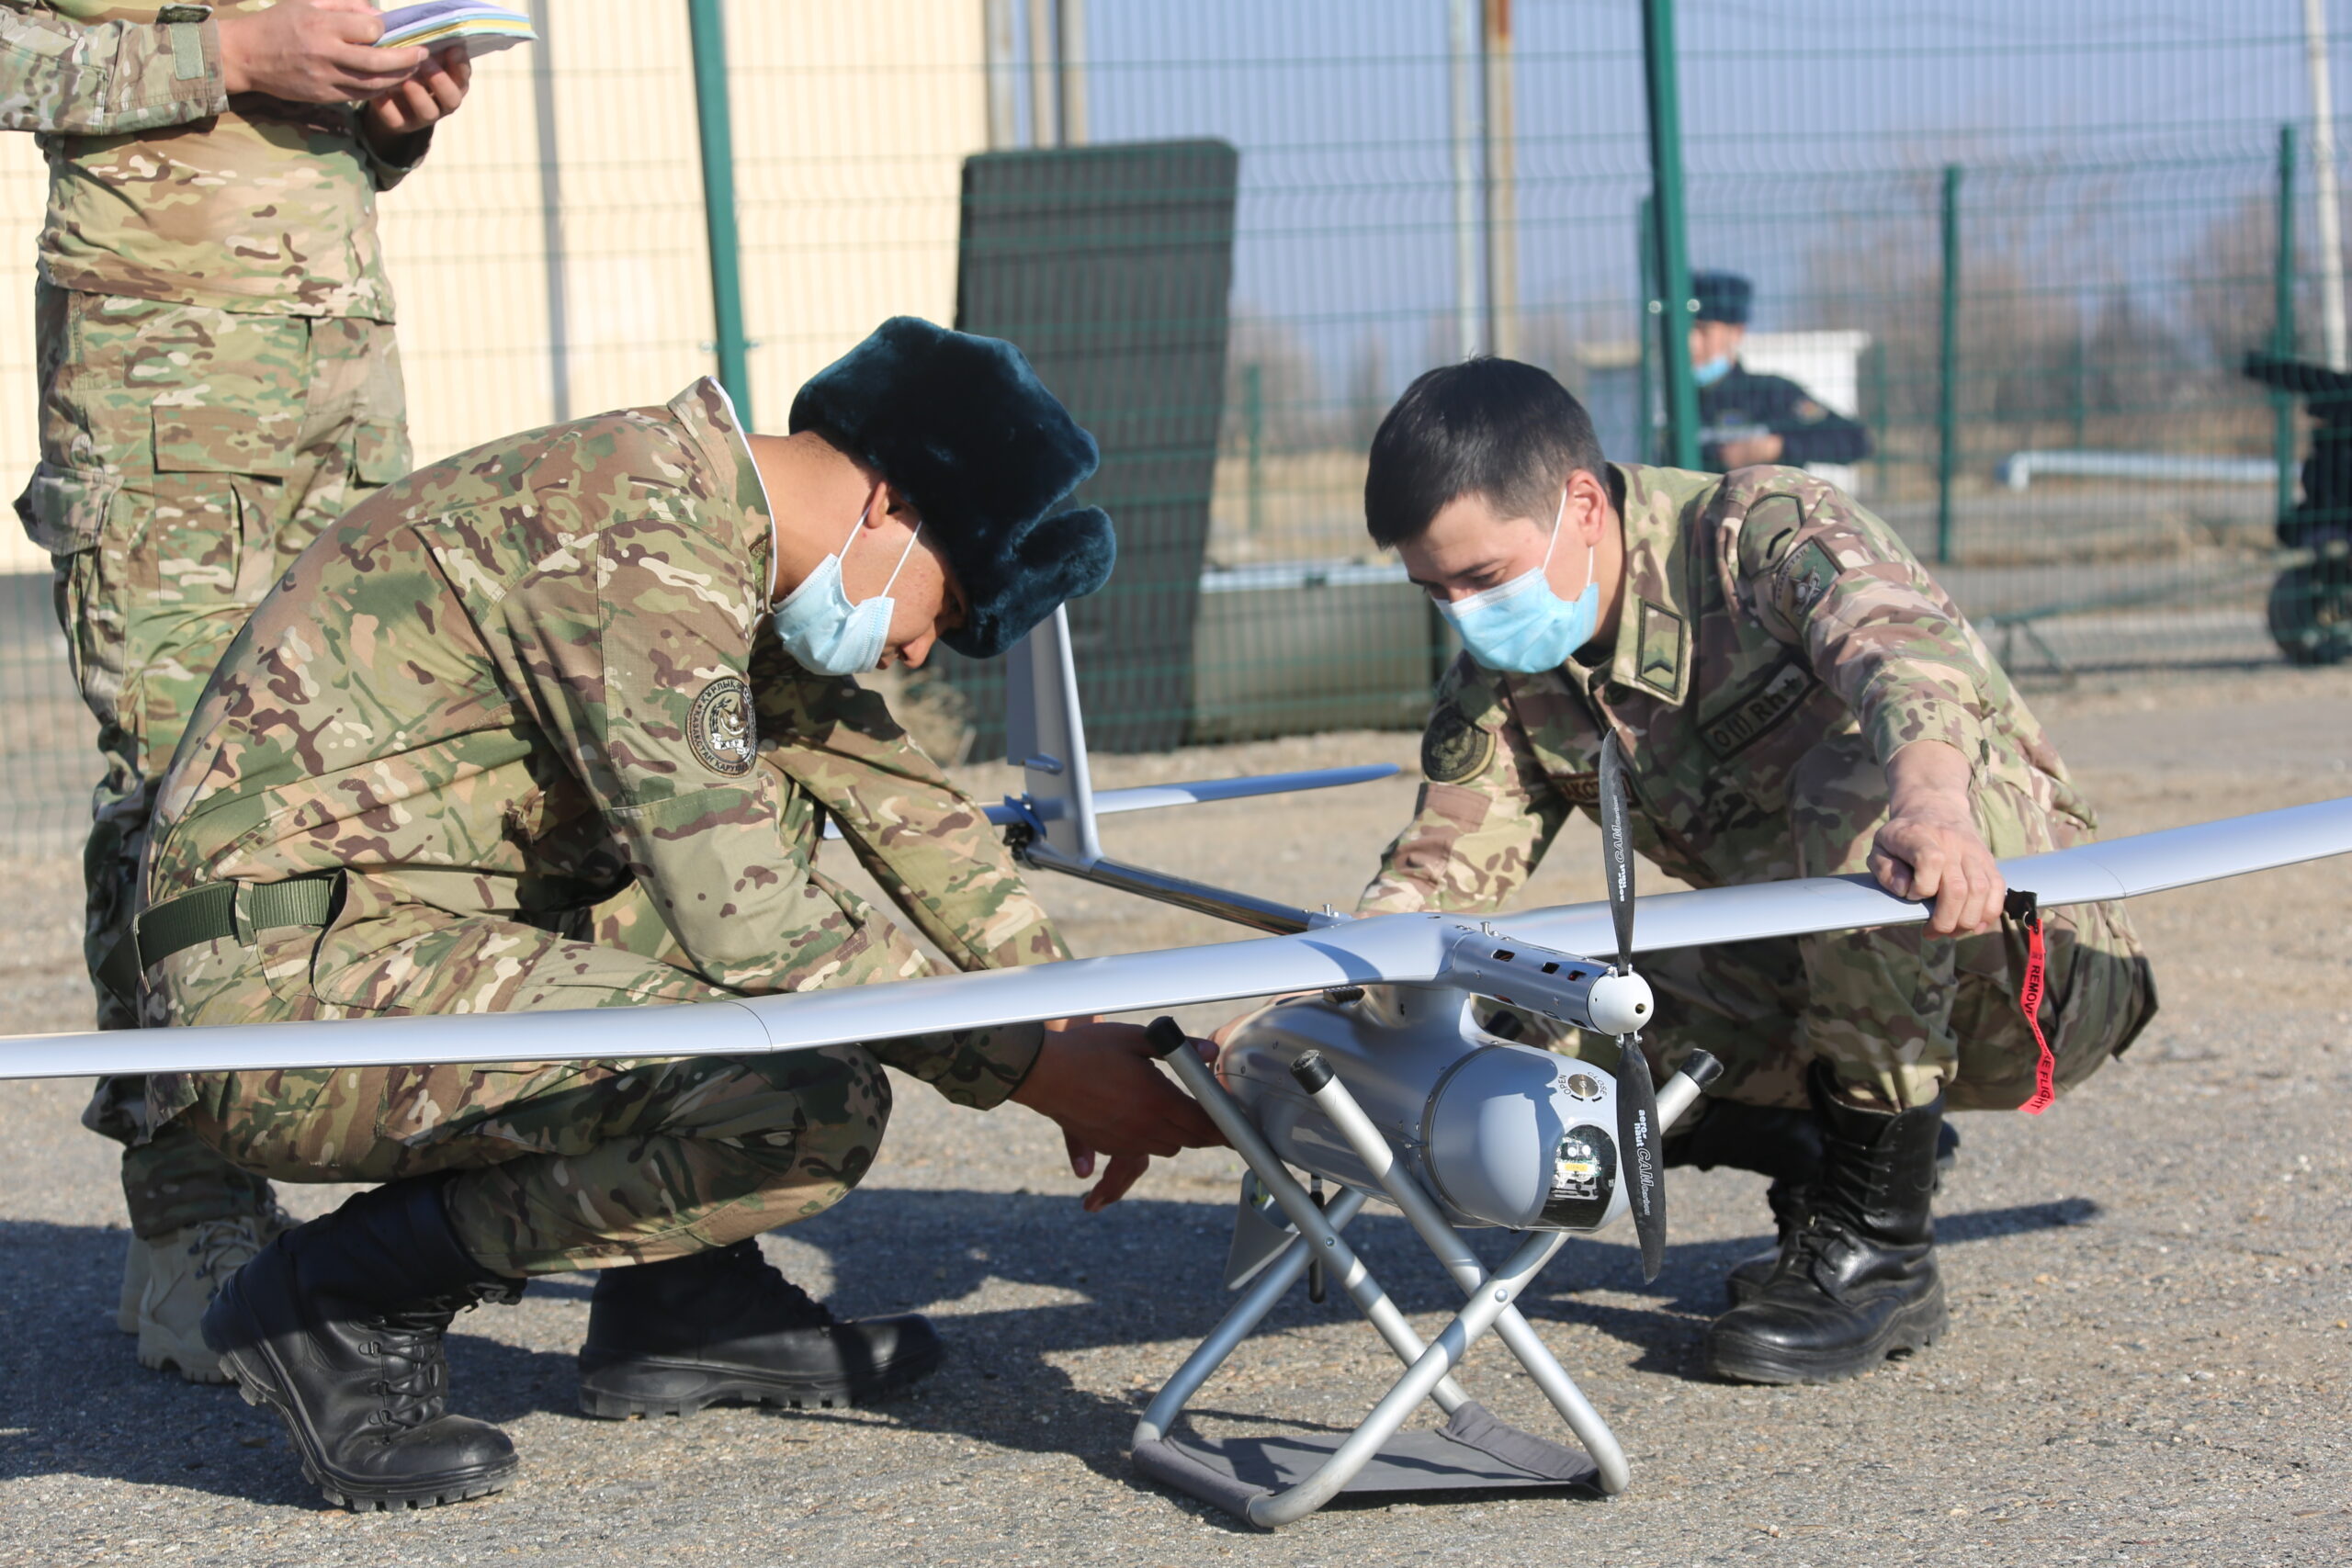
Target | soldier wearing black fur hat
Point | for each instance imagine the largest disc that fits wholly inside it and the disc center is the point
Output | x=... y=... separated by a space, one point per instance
x=1750 y=418
x=557 y=723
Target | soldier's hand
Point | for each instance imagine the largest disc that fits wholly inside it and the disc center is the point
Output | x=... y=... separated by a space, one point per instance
x=312 y=51
x=1101 y=1082
x=424 y=100
x=1765 y=449
x=1929 y=848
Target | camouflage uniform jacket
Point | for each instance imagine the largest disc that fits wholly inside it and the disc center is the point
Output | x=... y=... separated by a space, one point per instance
x=523 y=679
x=1763 y=612
x=161 y=188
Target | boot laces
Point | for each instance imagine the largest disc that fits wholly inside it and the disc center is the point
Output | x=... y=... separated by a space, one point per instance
x=220 y=1247
x=415 y=1381
x=1829 y=1214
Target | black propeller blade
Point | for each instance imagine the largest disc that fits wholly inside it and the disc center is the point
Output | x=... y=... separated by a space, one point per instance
x=1637 y=1129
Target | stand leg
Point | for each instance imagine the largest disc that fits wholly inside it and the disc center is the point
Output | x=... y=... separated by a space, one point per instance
x=1332 y=1098
x=1339 y=1261
x=1479 y=1315
x=1268 y=1288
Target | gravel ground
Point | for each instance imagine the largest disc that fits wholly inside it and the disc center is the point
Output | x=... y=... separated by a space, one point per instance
x=2150 y=1288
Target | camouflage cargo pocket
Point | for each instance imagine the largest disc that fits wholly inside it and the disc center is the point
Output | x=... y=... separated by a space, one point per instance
x=379 y=452
x=219 y=440
x=64 y=510
x=218 y=474
x=67 y=512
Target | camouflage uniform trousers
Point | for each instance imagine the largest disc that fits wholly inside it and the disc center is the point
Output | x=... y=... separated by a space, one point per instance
x=1897 y=1013
x=188 y=455
x=563 y=1165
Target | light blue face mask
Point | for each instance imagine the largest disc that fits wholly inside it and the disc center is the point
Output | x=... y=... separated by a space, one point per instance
x=823 y=630
x=1523 y=627
x=1711 y=371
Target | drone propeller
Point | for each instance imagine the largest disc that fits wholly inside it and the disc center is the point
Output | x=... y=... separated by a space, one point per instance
x=1637 y=1130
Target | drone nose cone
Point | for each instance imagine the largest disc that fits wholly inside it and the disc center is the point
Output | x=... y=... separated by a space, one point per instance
x=1620 y=1004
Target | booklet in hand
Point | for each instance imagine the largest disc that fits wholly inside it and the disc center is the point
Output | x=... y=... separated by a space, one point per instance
x=440 y=24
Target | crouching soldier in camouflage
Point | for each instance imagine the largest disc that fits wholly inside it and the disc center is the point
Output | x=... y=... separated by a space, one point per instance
x=1795 y=697
x=556 y=723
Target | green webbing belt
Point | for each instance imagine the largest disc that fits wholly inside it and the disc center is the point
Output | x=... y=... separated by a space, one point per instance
x=218 y=909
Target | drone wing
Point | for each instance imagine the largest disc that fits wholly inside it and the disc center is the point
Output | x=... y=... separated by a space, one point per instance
x=1401 y=949
x=2121 y=868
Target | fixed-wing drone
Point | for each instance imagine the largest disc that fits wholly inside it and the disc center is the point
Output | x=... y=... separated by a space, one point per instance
x=1374 y=1075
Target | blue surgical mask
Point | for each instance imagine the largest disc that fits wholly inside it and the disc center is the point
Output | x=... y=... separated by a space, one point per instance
x=1523 y=625
x=1711 y=371
x=823 y=630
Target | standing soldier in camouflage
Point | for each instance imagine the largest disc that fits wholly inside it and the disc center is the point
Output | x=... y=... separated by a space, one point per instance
x=219 y=382
x=559 y=723
x=1795 y=697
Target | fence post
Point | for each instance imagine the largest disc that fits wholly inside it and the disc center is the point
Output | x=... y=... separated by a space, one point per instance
x=2078 y=407
x=1673 y=257
x=1948 y=367
x=1646 y=335
x=1462 y=20
x=1498 y=168
x=2282 y=319
x=1254 y=425
x=1882 y=420
x=714 y=121
x=551 y=217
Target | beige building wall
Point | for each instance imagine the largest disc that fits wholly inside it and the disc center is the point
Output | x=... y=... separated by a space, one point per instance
x=851 y=119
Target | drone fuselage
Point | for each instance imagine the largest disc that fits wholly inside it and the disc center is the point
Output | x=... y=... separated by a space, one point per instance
x=1502 y=1135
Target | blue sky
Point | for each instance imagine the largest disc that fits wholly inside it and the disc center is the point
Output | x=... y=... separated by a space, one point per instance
x=2104 y=137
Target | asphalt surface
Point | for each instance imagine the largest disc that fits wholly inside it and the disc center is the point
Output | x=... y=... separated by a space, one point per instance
x=2151 y=1286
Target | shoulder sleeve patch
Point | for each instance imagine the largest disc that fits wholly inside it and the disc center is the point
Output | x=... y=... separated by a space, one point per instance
x=1809 y=575
x=1453 y=749
x=721 y=729
x=1768 y=533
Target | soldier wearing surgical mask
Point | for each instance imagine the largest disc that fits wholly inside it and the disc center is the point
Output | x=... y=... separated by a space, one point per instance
x=1794 y=696
x=1746 y=417
x=559 y=723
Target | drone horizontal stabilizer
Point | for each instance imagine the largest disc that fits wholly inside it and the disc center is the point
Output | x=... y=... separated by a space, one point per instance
x=1400 y=949
x=1198 y=792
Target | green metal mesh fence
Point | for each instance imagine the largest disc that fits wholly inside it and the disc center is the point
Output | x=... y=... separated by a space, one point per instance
x=2106 y=497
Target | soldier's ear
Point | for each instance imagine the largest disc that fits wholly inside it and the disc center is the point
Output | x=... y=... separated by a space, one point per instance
x=1587 y=509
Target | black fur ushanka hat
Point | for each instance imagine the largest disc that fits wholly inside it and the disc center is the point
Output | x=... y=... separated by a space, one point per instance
x=962 y=425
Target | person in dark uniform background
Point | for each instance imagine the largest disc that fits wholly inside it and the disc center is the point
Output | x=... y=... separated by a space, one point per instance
x=1749 y=418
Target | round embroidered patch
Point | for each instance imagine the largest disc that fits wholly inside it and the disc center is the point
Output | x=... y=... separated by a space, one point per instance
x=722 y=731
x=1453 y=749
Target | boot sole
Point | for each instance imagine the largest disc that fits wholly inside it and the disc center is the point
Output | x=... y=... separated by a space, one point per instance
x=158 y=1354
x=1909 y=1331
x=254 y=1372
x=619 y=1391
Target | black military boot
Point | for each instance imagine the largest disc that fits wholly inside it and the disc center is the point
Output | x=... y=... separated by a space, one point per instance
x=1783 y=1144
x=1788 y=1197
x=1789 y=1203
x=1856 y=1281
x=668 y=1338
x=337 y=1325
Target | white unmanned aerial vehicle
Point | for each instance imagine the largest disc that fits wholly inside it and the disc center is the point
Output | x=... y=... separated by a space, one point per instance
x=1377 y=1079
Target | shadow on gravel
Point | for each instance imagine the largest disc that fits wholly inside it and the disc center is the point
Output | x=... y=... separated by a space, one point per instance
x=73 y=1399
x=1692 y=1285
